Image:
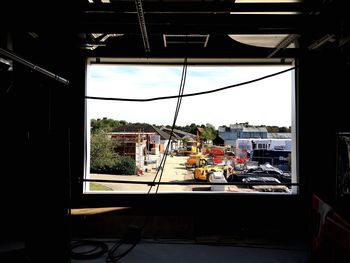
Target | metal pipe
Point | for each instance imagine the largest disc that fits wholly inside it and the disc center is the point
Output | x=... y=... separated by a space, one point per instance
x=142 y=23
x=33 y=66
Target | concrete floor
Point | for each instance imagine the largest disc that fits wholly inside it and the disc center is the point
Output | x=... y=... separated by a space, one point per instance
x=151 y=251
x=180 y=251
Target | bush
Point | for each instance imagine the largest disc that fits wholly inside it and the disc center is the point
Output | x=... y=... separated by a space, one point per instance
x=125 y=165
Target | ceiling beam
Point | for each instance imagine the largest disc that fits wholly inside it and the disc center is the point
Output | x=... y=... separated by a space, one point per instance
x=205 y=24
x=214 y=51
x=193 y=7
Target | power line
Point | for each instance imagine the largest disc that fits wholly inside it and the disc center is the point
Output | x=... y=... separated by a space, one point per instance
x=192 y=94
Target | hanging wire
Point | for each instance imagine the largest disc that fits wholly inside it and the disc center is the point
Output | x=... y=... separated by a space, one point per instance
x=181 y=91
x=134 y=233
x=178 y=104
x=88 y=249
x=192 y=94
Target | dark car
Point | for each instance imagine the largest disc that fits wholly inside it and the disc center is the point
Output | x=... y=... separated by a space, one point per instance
x=267 y=180
x=263 y=170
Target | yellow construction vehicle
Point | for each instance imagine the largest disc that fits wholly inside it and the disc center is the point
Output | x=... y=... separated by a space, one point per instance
x=193 y=160
x=191 y=147
x=206 y=166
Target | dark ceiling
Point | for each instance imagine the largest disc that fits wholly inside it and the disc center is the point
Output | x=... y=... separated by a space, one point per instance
x=208 y=28
x=185 y=28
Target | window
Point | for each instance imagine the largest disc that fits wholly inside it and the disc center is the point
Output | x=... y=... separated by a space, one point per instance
x=131 y=108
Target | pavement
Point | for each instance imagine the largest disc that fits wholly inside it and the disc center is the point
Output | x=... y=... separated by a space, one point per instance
x=174 y=171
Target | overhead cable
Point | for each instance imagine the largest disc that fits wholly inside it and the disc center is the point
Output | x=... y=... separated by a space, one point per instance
x=192 y=94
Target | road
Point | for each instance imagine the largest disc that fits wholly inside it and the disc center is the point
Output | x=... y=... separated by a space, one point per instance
x=174 y=171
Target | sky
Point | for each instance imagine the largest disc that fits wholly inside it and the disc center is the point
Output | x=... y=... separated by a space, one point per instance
x=266 y=102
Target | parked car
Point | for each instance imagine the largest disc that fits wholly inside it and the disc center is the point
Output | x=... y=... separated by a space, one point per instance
x=266 y=184
x=263 y=170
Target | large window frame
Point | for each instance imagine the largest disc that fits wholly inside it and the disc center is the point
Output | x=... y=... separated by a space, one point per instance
x=130 y=197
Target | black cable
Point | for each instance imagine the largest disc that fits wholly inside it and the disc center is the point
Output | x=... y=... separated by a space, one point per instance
x=133 y=235
x=113 y=257
x=191 y=94
x=130 y=239
x=179 y=98
x=181 y=91
x=88 y=249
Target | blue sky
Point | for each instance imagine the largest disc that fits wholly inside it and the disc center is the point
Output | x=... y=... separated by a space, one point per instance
x=265 y=102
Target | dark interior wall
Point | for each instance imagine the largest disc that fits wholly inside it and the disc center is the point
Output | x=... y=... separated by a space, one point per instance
x=323 y=109
x=39 y=127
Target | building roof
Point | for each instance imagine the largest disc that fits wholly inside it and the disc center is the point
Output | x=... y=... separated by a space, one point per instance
x=163 y=134
x=254 y=129
x=135 y=127
x=167 y=131
x=279 y=135
x=180 y=134
x=142 y=128
x=237 y=126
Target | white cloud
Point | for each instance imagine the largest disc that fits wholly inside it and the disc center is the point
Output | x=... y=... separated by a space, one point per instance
x=265 y=102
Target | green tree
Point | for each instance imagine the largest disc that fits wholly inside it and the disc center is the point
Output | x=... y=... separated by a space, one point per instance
x=272 y=129
x=284 y=129
x=190 y=128
x=105 y=124
x=209 y=133
x=102 y=155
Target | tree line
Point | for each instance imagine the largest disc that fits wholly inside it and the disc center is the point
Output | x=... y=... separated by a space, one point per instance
x=107 y=125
